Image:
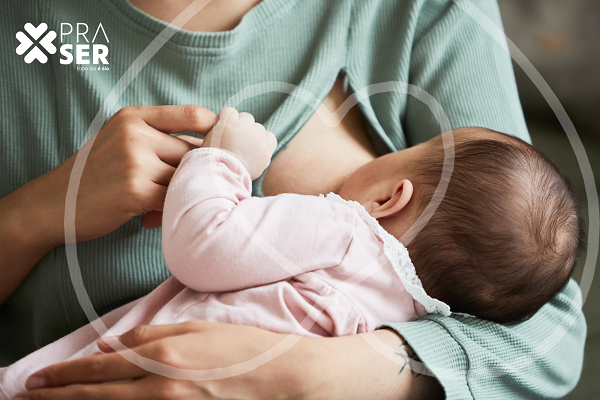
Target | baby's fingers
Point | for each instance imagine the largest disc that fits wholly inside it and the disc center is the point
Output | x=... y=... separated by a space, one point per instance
x=271 y=140
x=228 y=113
x=259 y=127
x=247 y=118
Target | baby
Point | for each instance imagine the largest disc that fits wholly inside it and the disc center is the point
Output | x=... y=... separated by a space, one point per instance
x=502 y=241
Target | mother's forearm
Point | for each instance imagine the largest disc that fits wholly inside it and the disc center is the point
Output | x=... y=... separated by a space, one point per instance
x=29 y=229
x=351 y=368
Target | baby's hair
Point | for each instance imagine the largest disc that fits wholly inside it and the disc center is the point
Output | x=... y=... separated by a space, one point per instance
x=506 y=236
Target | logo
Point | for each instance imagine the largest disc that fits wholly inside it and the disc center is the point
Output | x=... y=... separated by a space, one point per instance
x=30 y=40
x=34 y=40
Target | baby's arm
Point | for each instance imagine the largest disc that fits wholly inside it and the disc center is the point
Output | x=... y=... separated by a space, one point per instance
x=216 y=237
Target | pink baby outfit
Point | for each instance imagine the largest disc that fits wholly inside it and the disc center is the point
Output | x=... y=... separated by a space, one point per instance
x=315 y=266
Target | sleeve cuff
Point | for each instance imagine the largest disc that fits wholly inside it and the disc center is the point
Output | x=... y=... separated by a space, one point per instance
x=217 y=151
x=440 y=352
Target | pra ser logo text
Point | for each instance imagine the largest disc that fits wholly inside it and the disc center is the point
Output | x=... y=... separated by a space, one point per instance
x=36 y=42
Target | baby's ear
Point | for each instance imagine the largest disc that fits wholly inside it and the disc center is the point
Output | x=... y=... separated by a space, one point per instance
x=398 y=199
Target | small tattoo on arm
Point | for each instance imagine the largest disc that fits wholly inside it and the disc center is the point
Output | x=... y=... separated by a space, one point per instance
x=410 y=361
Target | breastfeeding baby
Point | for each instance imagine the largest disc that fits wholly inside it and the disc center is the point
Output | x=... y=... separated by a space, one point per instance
x=502 y=241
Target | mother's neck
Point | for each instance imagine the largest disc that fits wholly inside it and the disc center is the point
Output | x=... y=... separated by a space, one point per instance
x=215 y=16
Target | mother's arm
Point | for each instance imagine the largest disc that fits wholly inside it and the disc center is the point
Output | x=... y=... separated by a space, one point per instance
x=314 y=368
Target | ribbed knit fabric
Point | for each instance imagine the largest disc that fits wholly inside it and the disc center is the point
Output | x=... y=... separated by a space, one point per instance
x=475 y=359
x=46 y=110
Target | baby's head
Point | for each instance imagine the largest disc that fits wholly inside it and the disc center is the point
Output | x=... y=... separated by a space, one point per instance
x=506 y=234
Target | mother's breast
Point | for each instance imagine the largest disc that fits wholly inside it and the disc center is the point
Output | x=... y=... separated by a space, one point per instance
x=320 y=158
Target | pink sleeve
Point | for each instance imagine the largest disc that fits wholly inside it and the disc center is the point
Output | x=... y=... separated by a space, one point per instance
x=216 y=237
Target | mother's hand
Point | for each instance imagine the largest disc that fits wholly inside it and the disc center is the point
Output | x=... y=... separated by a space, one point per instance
x=313 y=368
x=193 y=345
x=131 y=163
x=126 y=173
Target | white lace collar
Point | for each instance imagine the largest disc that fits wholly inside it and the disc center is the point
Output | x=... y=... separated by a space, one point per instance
x=398 y=256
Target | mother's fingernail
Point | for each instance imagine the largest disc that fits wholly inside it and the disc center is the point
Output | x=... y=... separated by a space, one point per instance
x=35 y=382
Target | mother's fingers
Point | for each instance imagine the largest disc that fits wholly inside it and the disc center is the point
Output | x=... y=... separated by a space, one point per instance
x=150 y=387
x=118 y=391
x=171 y=149
x=144 y=334
x=191 y=139
x=161 y=173
x=92 y=369
x=158 y=120
x=152 y=197
x=176 y=119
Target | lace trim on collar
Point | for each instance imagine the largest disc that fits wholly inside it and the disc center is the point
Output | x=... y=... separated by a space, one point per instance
x=398 y=256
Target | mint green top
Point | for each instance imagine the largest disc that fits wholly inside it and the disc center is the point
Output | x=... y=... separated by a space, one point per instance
x=47 y=108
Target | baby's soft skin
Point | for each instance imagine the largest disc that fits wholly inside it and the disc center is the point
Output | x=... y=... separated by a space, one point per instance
x=247 y=140
x=384 y=186
x=379 y=185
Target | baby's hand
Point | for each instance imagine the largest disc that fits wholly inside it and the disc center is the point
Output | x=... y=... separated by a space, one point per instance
x=250 y=142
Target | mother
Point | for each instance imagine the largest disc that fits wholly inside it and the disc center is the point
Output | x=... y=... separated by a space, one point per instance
x=46 y=108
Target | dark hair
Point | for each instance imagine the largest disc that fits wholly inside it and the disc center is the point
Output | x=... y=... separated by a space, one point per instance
x=505 y=238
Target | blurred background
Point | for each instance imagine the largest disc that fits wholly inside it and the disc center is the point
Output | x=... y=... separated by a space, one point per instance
x=561 y=39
